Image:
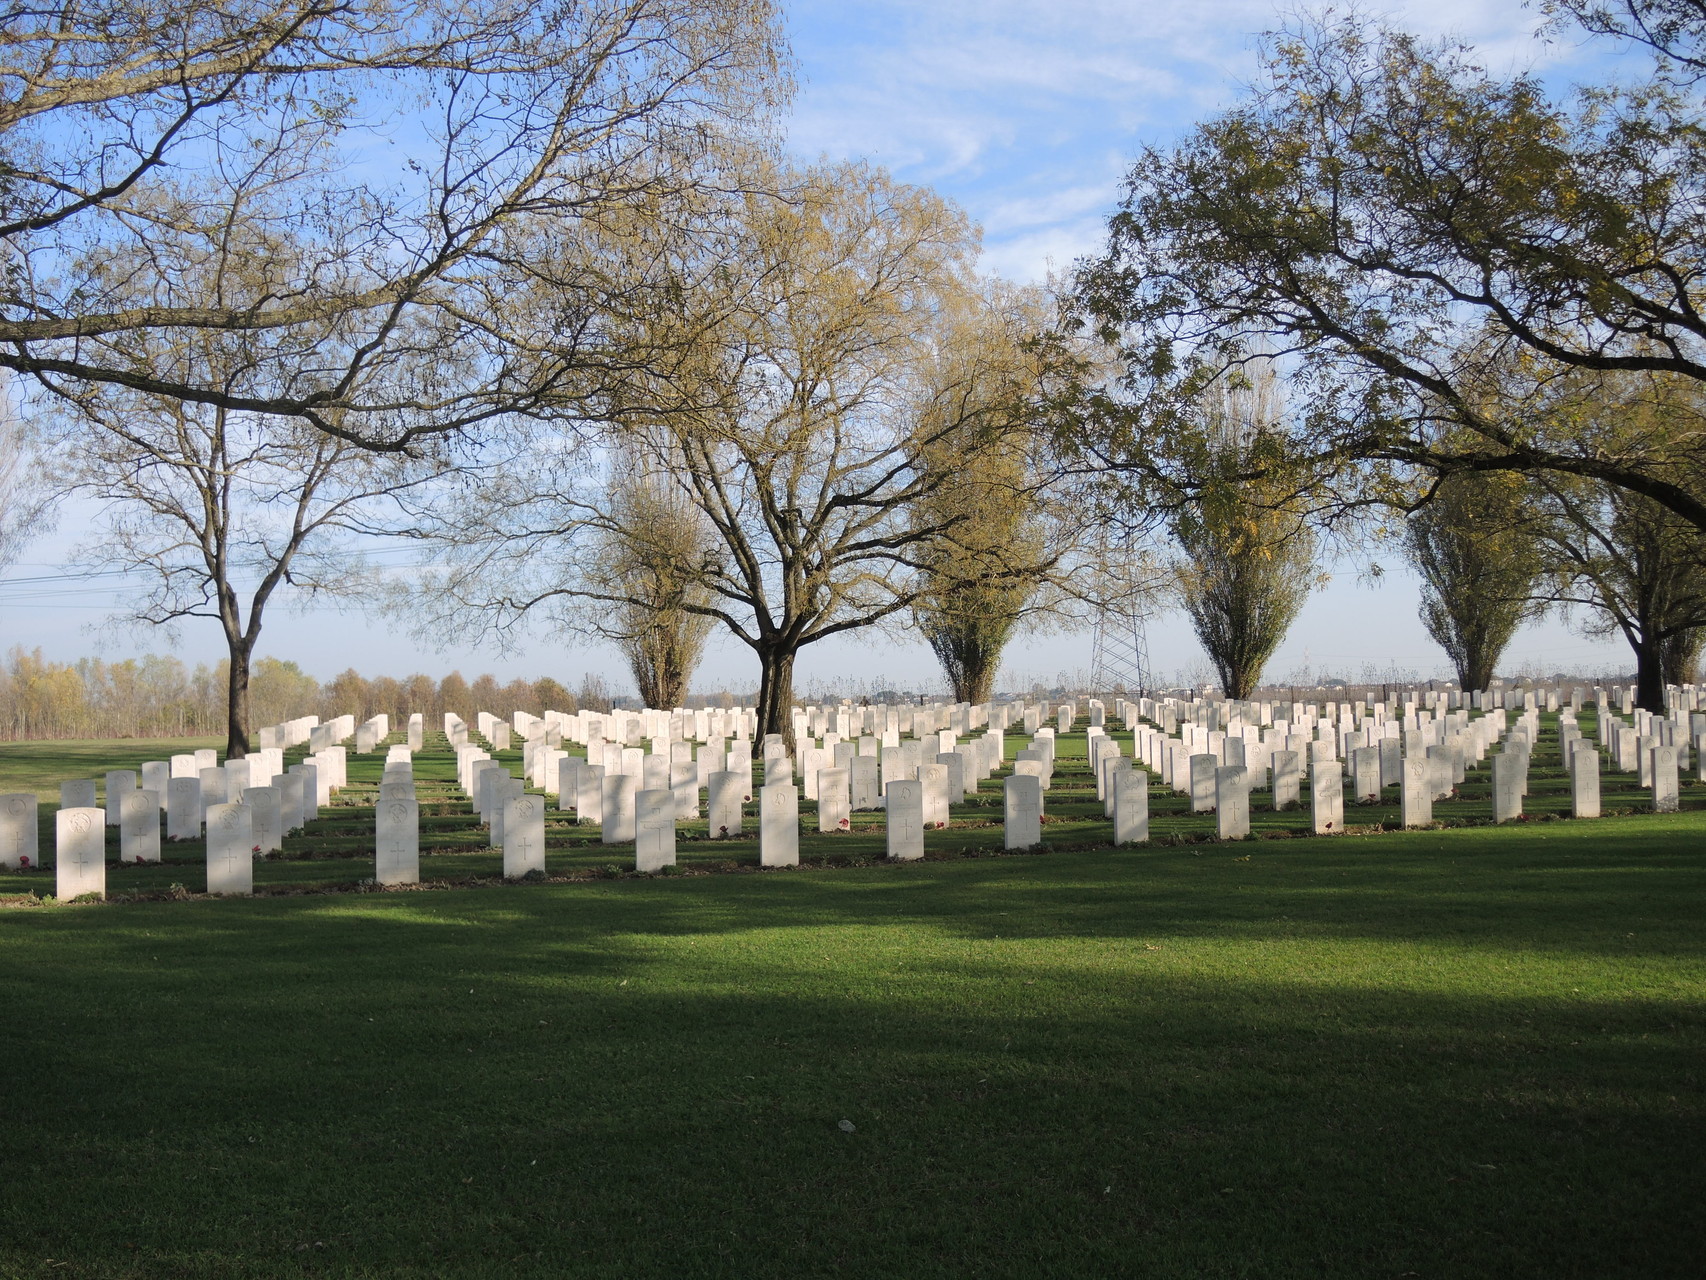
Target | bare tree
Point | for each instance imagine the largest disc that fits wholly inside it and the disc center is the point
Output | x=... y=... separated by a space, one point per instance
x=445 y=138
x=215 y=511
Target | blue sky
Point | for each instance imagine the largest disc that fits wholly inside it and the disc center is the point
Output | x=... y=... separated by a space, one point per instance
x=1028 y=115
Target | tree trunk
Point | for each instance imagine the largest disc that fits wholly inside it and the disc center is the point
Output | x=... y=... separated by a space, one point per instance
x=237 y=703
x=776 y=694
x=1649 y=674
x=979 y=680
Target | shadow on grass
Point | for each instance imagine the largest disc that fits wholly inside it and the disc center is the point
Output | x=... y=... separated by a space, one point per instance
x=1121 y=1064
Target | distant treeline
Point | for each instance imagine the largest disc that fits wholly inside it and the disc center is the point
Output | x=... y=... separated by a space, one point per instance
x=159 y=697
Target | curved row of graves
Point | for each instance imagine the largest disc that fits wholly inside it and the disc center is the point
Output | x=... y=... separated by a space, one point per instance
x=636 y=776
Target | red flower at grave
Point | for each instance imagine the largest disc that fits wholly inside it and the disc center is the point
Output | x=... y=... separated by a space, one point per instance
x=844 y=824
x=24 y=860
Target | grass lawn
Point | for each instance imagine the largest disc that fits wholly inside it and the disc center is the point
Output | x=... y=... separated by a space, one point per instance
x=1472 y=1052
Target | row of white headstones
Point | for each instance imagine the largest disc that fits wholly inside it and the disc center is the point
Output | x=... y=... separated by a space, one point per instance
x=638 y=797
x=1216 y=752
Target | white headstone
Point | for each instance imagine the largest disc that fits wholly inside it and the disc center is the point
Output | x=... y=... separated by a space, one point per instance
x=523 y=834
x=1203 y=767
x=505 y=789
x=905 y=805
x=212 y=789
x=183 y=809
x=80 y=853
x=727 y=791
x=618 y=809
x=934 y=778
x=77 y=793
x=654 y=829
x=312 y=790
x=155 y=775
x=1664 y=771
x=1365 y=773
x=589 y=802
x=1131 y=805
x=684 y=785
x=397 y=841
x=1022 y=796
x=291 y=794
x=1231 y=802
x=1415 y=792
x=262 y=803
x=139 y=827
x=862 y=782
x=230 y=849
x=1584 y=781
x=1509 y=774
x=119 y=782
x=567 y=781
x=20 y=831
x=779 y=825
x=834 y=807
x=1327 y=796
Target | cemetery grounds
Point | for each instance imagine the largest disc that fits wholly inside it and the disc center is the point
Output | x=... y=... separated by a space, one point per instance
x=1463 y=1051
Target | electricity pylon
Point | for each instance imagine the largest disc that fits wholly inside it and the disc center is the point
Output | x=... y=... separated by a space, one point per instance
x=1119 y=662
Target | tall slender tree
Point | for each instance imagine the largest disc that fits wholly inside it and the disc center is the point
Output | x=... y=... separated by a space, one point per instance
x=1247 y=560
x=654 y=546
x=1479 y=562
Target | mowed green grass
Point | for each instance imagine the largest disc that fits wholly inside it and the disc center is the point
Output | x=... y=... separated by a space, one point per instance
x=1474 y=1052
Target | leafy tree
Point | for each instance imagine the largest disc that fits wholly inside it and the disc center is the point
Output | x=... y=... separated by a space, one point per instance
x=1248 y=562
x=1397 y=221
x=280 y=691
x=420 y=694
x=1636 y=568
x=802 y=419
x=1479 y=563
x=654 y=547
x=553 y=696
x=983 y=572
x=455 y=697
x=483 y=695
